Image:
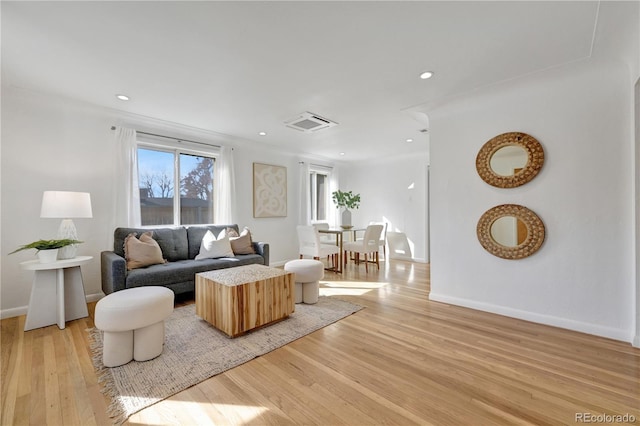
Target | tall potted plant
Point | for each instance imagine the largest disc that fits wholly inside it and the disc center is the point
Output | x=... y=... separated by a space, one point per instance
x=347 y=200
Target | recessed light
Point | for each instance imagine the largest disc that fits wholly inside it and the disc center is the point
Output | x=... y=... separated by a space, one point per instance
x=263 y=133
x=342 y=153
x=425 y=75
x=409 y=140
x=122 y=97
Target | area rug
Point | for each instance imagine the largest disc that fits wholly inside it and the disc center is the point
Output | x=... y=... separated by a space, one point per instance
x=195 y=351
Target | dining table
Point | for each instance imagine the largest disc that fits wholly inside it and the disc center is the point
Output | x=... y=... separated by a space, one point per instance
x=339 y=233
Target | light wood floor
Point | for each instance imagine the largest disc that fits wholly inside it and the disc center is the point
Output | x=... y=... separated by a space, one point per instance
x=402 y=360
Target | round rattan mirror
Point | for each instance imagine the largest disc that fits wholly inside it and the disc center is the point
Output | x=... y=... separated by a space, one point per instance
x=510 y=231
x=510 y=160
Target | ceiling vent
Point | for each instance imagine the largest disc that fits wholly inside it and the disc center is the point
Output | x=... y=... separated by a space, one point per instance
x=309 y=123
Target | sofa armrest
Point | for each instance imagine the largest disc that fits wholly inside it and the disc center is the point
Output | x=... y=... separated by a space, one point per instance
x=114 y=272
x=263 y=250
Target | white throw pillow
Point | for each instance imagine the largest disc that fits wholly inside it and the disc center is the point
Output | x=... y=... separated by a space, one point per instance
x=210 y=248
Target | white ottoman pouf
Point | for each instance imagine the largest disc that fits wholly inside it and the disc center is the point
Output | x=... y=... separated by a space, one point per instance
x=133 y=323
x=308 y=274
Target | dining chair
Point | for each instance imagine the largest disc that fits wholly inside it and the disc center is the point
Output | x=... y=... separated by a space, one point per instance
x=369 y=244
x=383 y=237
x=324 y=238
x=309 y=245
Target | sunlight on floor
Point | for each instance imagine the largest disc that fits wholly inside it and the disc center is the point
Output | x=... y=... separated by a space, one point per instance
x=404 y=266
x=348 y=288
x=241 y=414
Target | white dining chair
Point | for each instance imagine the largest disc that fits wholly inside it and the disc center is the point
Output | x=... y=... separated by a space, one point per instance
x=324 y=238
x=369 y=244
x=309 y=245
x=383 y=237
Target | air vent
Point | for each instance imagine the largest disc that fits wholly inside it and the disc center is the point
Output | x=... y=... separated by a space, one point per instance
x=309 y=123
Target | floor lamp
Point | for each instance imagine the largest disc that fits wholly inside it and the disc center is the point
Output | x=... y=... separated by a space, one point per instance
x=66 y=205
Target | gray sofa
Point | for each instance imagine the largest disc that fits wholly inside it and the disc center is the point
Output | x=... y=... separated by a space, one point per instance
x=179 y=247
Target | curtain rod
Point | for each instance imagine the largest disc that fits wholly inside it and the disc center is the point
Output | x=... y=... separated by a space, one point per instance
x=171 y=137
x=316 y=165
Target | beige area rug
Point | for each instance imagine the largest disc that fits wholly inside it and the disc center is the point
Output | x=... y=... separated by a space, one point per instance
x=195 y=351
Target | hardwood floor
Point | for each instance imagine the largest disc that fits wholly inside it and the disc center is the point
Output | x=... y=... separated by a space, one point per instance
x=402 y=360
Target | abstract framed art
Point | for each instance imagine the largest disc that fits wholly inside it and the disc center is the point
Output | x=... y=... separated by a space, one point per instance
x=269 y=190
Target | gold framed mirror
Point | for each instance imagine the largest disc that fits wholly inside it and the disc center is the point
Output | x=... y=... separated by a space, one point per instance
x=510 y=160
x=510 y=231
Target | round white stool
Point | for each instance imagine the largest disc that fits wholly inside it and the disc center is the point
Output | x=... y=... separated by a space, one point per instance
x=133 y=323
x=308 y=274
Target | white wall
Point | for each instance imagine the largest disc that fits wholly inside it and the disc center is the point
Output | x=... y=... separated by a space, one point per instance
x=632 y=58
x=634 y=65
x=392 y=190
x=617 y=37
x=582 y=277
x=278 y=231
x=50 y=144
x=53 y=144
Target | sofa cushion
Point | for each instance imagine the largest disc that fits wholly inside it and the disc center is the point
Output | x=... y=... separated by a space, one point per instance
x=212 y=248
x=196 y=233
x=142 y=252
x=241 y=244
x=172 y=241
x=184 y=270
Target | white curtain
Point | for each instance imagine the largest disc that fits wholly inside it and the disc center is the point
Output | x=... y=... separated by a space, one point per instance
x=224 y=212
x=334 y=183
x=126 y=190
x=304 y=208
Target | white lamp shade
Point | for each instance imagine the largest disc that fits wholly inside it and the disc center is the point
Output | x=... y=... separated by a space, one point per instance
x=66 y=205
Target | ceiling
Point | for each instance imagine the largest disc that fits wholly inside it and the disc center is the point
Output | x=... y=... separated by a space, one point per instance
x=239 y=68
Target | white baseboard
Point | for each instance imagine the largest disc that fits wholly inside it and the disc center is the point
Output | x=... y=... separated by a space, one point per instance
x=22 y=310
x=13 y=312
x=94 y=297
x=583 y=327
x=636 y=341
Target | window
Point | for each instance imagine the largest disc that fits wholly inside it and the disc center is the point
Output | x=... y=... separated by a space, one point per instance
x=168 y=200
x=319 y=180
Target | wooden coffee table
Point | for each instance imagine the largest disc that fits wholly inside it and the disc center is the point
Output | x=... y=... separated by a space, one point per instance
x=236 y=300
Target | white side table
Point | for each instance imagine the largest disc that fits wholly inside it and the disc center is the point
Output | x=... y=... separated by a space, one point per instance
x=49 y=285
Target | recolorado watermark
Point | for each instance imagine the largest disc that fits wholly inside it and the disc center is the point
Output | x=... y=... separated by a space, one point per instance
x=604 y=418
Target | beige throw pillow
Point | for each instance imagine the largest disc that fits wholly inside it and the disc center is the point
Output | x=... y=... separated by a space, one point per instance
x=142 y=252
x=229 y=232
x=242 y=244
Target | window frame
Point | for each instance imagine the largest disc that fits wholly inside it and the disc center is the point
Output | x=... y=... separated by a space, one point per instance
x=177 y=150
x=314 y=171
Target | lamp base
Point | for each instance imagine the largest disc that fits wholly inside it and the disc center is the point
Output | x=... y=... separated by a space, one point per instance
x=67 y=230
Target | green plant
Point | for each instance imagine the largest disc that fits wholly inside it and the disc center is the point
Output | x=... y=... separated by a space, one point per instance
x=47 y=245
x=346 y=199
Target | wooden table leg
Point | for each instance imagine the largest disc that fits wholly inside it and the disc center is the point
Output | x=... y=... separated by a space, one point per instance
x=341 y=251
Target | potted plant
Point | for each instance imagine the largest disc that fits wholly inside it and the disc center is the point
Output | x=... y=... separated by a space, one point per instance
x=47 y=250
x=348 y=200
